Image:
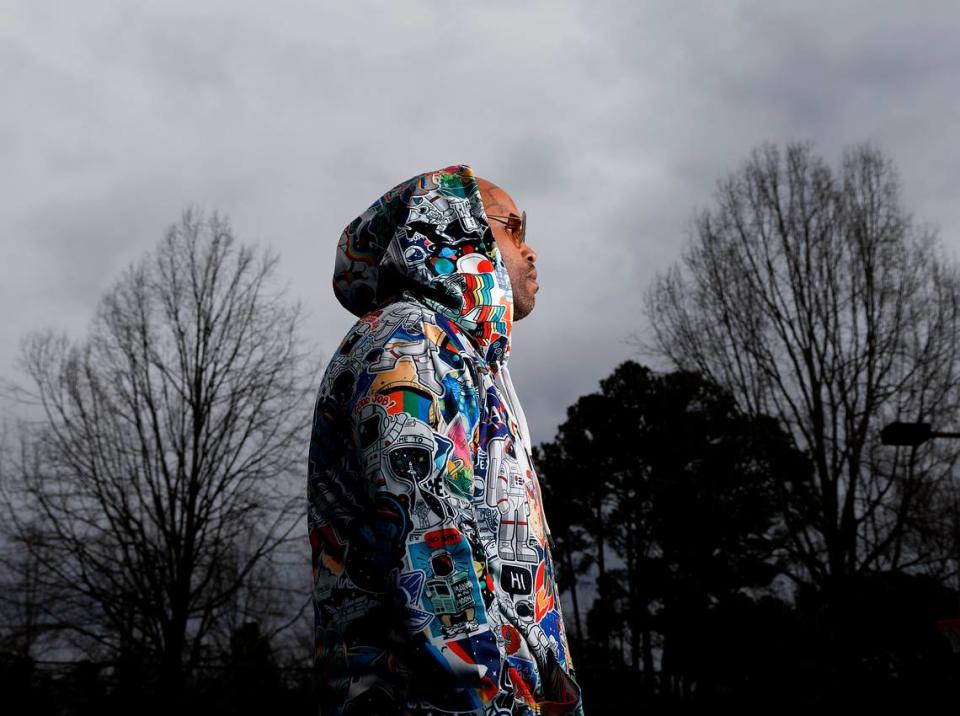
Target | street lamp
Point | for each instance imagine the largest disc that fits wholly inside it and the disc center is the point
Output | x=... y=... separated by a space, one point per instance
x=914 y=434
x=911 y=434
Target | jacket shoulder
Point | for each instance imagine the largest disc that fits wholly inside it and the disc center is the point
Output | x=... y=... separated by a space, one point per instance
x=404 y=346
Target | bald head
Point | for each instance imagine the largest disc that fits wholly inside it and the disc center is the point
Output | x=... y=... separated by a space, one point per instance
x=495 y=200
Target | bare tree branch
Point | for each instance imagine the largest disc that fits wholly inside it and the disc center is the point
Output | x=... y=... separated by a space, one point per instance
x=159 y=483
x=812 y=295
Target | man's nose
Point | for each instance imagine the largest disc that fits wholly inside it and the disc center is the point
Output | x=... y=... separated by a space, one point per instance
x=531 y=255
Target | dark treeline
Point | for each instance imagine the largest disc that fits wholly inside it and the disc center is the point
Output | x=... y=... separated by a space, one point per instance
x=246 y=679
x=670 y=509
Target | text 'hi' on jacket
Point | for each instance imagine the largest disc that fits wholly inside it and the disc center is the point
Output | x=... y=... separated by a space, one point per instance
x=434 y=587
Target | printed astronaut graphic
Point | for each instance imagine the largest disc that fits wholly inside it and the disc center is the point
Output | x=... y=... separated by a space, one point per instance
x=434 y=588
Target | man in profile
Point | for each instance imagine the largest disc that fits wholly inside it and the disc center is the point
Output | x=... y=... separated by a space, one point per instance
x=434 y=587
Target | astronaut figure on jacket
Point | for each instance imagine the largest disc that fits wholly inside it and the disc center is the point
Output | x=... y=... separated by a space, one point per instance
x=434 y=585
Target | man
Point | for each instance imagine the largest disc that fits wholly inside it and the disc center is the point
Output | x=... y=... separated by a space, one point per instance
x=434 y=588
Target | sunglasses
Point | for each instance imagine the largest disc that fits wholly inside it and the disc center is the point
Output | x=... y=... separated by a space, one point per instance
x=516 y=225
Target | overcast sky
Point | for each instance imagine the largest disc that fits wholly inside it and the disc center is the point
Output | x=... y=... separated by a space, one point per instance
x=609 y=122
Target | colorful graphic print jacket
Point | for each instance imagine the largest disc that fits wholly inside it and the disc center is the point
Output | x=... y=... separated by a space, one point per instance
x=434 y=588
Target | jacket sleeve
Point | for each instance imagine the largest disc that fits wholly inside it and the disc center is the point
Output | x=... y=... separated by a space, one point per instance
x=415 y=419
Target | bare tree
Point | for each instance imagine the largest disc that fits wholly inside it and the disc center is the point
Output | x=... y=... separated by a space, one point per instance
x=812 y=295
x=164 y=472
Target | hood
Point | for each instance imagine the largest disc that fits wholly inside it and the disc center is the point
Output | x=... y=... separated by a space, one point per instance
x=428 y=237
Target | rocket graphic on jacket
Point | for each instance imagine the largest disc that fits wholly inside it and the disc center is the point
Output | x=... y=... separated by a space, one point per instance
x=434 y=589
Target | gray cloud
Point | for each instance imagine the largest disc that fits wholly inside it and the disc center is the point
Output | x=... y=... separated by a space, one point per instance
x=608 y=122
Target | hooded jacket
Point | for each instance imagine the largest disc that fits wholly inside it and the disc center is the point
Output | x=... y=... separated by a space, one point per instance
x=434 y=588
